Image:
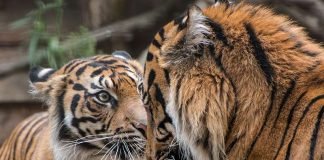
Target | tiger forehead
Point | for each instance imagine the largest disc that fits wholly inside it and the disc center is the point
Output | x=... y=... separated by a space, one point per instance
x=103 y=71
x=103 y=62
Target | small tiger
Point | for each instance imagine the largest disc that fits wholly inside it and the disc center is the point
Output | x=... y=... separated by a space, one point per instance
x=95 y=112
x=234 y=81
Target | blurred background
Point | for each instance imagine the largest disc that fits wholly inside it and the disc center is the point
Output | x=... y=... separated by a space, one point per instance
x=51 y=32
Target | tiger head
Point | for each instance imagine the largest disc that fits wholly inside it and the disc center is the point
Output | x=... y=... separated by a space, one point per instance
x=95 y=109
x=207 y=66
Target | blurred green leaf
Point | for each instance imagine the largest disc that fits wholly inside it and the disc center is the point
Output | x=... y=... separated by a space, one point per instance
x=50 y=49
x=20 y=23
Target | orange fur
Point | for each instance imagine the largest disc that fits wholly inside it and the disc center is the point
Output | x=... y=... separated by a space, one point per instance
x=242 y=85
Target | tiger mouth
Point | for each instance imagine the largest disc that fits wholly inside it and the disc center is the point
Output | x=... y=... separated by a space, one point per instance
x=117 y=146
x=131 y=147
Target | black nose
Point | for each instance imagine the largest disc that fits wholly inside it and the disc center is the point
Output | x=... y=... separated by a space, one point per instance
x=118 y=129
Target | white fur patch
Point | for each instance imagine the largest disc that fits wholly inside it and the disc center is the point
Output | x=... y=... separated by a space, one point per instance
x=198 y=28
x=43 y=72
x=119 y=56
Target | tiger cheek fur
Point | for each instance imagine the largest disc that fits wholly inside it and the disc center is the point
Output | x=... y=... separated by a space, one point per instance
x=235 y=82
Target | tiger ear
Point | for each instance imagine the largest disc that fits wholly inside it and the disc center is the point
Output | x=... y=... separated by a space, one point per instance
x=39 y=77
x=122 y=54
x=39 y=74
x=198 y=30
x=227 y=2
x=193 y=13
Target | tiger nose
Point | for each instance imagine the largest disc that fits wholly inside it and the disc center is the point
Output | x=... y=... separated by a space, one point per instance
x=141 y=126
x=118 y=129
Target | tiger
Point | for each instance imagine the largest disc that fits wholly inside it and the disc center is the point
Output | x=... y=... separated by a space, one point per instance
x=234 y=81
x=95 y=112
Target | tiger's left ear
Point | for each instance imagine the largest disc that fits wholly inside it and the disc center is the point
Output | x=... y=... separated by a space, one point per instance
x=196 y=33
x=197 y=27
x=122 y=54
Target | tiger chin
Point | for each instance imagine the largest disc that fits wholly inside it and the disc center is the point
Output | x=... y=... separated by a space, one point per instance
x=95 y=113
x=234 y=81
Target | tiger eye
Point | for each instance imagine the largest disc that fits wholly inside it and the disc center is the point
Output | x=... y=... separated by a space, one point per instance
x=103 y=97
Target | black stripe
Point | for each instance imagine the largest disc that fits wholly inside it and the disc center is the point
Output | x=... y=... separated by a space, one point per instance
x=23 y=129
x=284 y=100
x=151 y=79
x=167 y=76
x=97 y=72
x=161 y=33
x=34 y=134
x=78 y=87
x=315 y=133
x=80 y=71
x=70 y=64
x=270 y=108
x=231 y=145
x=259 y=54
x=159 y=96
x=125 y=66
x=101 y=78
x=218 y=31
x=149 y=56
x=314 y=100
x=74 y=66
x=156 y=43
x=76 y=123
x=74 y=103
x=107 y=62
x=63 y=131
x=310 y=53
x=94 y=86
x=109 y=122
x=290 y=116
x=87 y=119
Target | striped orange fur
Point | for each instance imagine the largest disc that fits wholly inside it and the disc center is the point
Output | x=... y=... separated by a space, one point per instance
x=234 y=82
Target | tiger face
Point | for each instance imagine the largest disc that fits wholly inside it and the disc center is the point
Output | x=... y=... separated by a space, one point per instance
x=95 y=109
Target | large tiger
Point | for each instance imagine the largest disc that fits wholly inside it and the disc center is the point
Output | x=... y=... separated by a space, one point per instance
x=234 y=81
x=95 y=112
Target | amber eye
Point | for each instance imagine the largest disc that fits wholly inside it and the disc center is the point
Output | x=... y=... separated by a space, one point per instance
x=103 y=97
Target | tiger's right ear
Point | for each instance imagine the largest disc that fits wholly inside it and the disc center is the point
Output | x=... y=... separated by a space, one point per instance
x=38 y=77
x=39 y=74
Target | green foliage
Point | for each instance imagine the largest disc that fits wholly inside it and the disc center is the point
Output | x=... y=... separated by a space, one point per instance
x=50 y=49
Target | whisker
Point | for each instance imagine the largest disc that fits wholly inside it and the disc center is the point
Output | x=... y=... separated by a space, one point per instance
x=105 y=146
x=108 y=151
x=127 y=149
x=117 y=149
